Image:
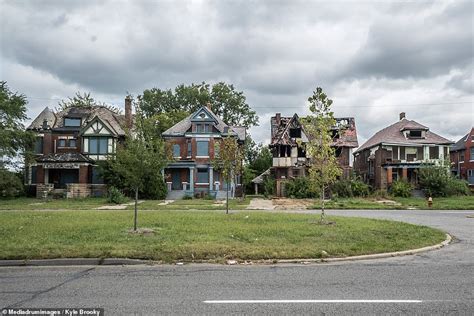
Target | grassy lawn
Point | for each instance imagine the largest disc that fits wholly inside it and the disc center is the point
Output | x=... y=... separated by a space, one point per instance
x=451 y=203
x=194 y=204
x=57 y=204
x=196 y=236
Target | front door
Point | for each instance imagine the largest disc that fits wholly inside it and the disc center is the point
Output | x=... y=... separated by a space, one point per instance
x=176 y=184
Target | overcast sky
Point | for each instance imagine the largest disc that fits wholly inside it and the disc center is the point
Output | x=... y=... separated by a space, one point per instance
x=374 y=59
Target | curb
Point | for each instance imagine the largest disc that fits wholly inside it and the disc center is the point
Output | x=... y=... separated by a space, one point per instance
x=373 y=256
x=124 y=261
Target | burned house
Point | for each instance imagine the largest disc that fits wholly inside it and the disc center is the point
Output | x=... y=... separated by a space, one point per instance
x=194 y=142
x=288 y=143
x=69 y=144
x=398 y=152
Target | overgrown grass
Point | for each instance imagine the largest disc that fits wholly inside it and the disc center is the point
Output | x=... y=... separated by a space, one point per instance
x=449 y=203
x=55 y=204
x=197 y=236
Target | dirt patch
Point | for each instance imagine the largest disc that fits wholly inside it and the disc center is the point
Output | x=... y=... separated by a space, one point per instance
x=292 y=204
x=389 y=202
x=260 y=204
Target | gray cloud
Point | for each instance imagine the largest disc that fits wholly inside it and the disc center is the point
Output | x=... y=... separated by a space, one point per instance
x=367 y=56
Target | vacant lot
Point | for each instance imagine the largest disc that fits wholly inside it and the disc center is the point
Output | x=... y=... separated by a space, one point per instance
x=197 y=236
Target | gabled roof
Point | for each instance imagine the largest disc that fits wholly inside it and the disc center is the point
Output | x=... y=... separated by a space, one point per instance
x=259 y=179
x=114 y=121
x=460 y=144
x=280 y=131
x=393 y=134
x=180 y=128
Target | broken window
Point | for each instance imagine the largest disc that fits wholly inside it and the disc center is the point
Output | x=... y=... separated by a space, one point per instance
x=335 y=134
x=295 y=132
x=434 y=152
x=301 y=152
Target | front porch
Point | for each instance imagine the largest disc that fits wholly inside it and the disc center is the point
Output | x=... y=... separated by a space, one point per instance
x=195 y=181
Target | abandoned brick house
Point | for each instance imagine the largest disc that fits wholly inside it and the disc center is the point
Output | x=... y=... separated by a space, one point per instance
x=462 y=158
x=287 y=145
x=68 y=145
x=194 y=143
x=398 y=152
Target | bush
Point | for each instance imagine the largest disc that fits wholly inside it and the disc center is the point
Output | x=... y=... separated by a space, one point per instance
x=115 y=196
x=298 y=188
x=457 y=187
x=401 y=188
x=359 y=188
x=155 y=188
x=350 y=188
x=268 y=186
x=10 y=184
x=342 y=188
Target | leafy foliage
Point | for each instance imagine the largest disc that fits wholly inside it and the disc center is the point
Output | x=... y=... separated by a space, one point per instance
x=14 y=140
x=227 y=103
x=10 y=184
x=84 y=100
x=437 y=181
x=401 y=188
x=229 y=160
x=116 y=196
x=268 y=186
x=346 y=188
x=324 y=169
x=299 y=188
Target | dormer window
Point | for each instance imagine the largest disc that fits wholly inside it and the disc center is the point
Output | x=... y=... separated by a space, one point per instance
x=72 y=122
x=415 y=134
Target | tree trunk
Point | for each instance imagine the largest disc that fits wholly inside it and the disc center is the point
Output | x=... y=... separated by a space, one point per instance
x=322 y=205
x=136 y=211
x=227 y=201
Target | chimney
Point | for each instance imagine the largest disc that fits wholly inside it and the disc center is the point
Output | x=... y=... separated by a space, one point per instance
x=128 y=111
x=209 y=106
x=402 y=115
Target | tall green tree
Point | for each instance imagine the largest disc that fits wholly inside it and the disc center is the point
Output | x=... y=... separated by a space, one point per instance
x=227 y=103
x=324 y=168
x=84 y=100
x=228 y=162
x=142 y=156
x=14 y=140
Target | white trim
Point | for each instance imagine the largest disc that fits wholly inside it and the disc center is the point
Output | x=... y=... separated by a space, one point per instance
x=202 y=183
x=177 y=157
x=202 y=156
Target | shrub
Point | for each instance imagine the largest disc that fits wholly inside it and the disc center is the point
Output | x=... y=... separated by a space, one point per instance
x=10 y=184
x=187 y=197
x=401 y=188
x=350 y=188
x=457 y=187
x=268 y=186
x=359 y=188
x=342 y=188
x=434 y=180
x=380 y=194
x=299 y=188
x=115 y=196
x=155 y=187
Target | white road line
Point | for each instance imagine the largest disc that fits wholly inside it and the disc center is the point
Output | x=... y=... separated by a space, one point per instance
x=307 y=301
x=456 y=212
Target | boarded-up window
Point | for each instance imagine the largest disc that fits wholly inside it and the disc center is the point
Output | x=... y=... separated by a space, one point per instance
x=434 y=152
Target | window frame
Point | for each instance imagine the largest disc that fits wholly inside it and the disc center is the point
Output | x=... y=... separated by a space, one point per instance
x=72 y=119
x=198 y=152
x=176 y=151
x=97 y=151
x=201 y=171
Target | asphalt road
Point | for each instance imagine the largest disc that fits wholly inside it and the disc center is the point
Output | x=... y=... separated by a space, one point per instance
x=439 y=282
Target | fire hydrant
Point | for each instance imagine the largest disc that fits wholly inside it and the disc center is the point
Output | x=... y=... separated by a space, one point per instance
x=430 y=202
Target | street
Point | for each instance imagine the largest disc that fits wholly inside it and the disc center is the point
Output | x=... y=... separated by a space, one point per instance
x=433 y=283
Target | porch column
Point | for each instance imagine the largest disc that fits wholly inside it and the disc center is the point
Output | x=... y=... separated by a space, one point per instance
x=191 y=179
x=46 y=176
x=405 y=173
x=211 y=177
x=256 y=188
x=389 y=175
x=163 y=173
